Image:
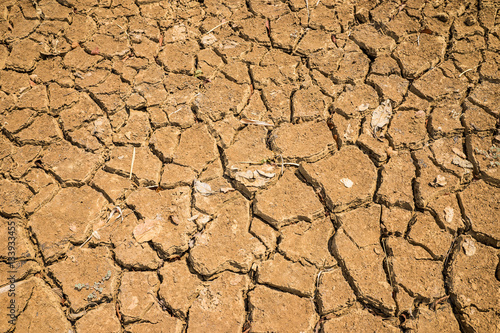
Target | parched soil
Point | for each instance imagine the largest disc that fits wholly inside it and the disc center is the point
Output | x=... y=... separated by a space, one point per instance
x=249 y=166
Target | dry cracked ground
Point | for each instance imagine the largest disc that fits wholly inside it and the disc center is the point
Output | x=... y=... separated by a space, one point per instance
x=249 y=166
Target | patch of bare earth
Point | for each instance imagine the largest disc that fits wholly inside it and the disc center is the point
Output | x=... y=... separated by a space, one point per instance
x=249 y=166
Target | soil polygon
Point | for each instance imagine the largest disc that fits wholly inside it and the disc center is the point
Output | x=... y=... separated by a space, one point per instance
x=328 y=173
x=479 y=308
x=76 y=209
x=270 y=306
x=224 y=239
x=290 y=200
x=309 y=141
x=483 y=221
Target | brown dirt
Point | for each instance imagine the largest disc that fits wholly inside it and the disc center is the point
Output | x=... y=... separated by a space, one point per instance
x=140 y=198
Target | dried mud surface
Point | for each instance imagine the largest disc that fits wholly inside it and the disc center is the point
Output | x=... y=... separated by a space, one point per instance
x=250 y=166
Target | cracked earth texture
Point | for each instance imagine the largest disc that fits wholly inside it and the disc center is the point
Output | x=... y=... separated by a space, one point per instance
x=308 y=220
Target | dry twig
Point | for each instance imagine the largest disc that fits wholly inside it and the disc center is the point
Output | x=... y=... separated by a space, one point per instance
x=467 y=70
x=282 y=165
x=439 y=300
x=95 y=233
x=217 y=26
x=132 y=164
x=118 y=314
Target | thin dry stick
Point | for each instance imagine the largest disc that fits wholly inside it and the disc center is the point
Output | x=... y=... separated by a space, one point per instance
x=318 y=325
x=387 y=263
x=318 y=277
x=439 y=300
x=282 y=165
x=179 y=109
x=467 y=70
x=124 y=30
x=132 y=164
x=118 y=314
x=253 y=163
x=219 y=25
x=447 y=257
x=317 y=3
x=307 y=6
x=88 y=239
x=254 y=122
x=266 y=161
x=95 y=232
